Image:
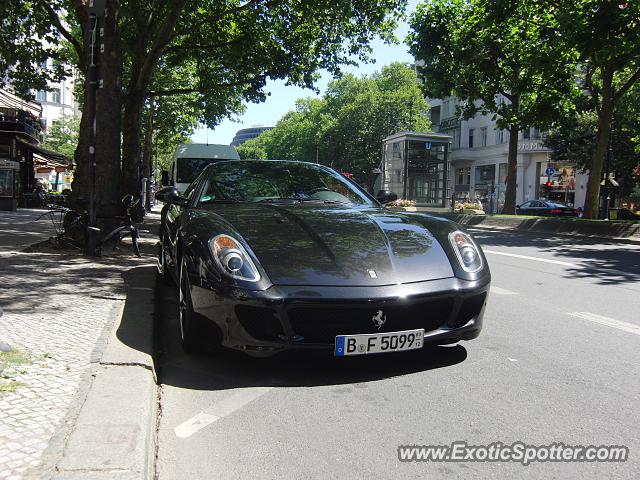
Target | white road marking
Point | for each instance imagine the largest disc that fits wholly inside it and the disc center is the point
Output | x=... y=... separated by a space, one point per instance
x=609 y=322
x=502 y=291
x=512 y=359
x=219 y=410
x=536 y=259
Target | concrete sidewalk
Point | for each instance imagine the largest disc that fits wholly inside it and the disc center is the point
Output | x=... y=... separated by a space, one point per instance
x=84 y=401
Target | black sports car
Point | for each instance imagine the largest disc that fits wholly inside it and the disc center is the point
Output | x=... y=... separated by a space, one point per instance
x=276 y=255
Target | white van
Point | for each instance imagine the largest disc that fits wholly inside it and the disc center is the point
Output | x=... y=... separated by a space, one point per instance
x=191 y=158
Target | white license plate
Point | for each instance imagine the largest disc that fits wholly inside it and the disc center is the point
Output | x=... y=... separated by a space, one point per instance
x=379 y=342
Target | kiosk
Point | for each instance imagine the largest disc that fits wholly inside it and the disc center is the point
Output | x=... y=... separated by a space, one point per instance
x=415 y=166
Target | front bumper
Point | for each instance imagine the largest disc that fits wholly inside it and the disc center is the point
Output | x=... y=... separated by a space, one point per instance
x=281 y=318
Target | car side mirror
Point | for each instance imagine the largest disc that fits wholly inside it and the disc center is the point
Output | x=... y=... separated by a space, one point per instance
x=385 y=196
x=517 y=206
x=171 y=196
x=165 y=178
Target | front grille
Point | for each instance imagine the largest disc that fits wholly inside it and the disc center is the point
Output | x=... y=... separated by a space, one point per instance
x=321 y=324
x=469 y=309
x=260 y=322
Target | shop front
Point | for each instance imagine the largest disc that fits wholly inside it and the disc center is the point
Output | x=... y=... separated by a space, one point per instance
x=9 y=185
x=560 y=185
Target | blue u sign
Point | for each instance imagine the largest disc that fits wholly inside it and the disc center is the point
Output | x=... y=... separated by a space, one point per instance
x=550 y=171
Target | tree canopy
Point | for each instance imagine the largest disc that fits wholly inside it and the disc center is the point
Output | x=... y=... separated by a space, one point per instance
x=496 y=57
x=62 y=135
x=224 y=53
x=345 y=128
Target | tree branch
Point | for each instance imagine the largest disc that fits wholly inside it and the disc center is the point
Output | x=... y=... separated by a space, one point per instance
x=161 y=41
x=625 y=88
x=55 y=19
x=176 y=48
x=183 y=91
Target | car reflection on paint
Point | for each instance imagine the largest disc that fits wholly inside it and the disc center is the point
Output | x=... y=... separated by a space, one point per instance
x=280 y=255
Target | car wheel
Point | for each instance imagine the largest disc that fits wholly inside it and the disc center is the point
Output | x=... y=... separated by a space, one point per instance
x=191 y=324
x=163 y=265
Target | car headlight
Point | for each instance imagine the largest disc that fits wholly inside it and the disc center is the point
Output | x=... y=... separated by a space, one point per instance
x=233 y=259
x=466 y=251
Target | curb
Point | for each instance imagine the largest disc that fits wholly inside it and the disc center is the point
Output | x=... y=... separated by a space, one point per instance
x=625 y=240
x=109 y=432
x=606 y=232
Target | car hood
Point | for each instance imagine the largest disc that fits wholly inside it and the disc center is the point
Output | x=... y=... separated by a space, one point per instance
x=337 y=246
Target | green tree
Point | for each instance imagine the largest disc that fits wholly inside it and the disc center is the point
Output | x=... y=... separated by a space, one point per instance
x=606 y=34
x=62 y=136
x=345 y=128
x=231 y=49
x=574 y=139
x=484 y=52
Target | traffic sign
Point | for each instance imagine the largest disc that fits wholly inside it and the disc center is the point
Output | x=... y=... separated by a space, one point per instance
x=550 y=171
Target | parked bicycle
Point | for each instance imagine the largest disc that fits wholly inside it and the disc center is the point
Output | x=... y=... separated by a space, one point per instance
x=73 y=229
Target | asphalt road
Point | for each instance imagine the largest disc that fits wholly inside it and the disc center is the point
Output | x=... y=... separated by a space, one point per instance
x=557 y=362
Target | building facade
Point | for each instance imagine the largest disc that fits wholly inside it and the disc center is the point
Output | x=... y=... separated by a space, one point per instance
x=59 y=100
x=247 y=134
x=22 y=160
x=478 y=162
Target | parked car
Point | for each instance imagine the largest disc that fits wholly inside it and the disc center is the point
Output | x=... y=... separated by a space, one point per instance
x=281 y=255
x=626 y=214
x=546 y=209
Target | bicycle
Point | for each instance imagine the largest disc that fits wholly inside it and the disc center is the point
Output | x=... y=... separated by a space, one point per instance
x=73 y=229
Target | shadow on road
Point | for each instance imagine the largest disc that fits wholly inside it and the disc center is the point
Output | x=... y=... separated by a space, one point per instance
x=608 y=262
x=230 y=369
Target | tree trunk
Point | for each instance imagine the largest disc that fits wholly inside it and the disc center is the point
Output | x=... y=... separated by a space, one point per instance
x=512 y=165
x=592 y=200
x=108 y=124
x=131 y=136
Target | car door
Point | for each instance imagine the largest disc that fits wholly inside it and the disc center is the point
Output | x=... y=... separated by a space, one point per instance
x=525 y=208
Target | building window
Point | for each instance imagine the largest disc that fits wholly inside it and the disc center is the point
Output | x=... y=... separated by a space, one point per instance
x=526 y=134
x=483 y=137
x=55 y=95
x=41 y=96
x=536 y=134
x=499 y=136
x=471 y=138
x=463 y=176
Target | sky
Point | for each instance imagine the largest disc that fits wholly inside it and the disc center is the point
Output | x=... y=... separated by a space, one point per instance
x=282 y=98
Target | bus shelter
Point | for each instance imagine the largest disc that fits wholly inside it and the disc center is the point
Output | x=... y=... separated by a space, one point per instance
x=415 y=166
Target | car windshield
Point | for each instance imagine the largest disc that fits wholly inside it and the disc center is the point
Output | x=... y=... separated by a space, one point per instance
x=277 y=181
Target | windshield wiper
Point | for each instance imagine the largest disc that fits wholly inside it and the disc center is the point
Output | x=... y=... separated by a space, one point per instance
x=280 y=199
x=325 y=201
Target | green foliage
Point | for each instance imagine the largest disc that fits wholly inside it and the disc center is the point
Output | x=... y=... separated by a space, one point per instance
x=484 y=51
x=480 y=49
x=62 y=136
x=345 y=128
x=27 y=40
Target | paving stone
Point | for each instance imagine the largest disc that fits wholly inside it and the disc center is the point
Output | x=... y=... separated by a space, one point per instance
x=55 y=308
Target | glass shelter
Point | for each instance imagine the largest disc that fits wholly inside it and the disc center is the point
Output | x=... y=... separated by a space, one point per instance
x=415 y=167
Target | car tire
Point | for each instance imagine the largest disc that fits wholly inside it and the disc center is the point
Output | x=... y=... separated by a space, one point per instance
x=191 y=324
x=163 y=266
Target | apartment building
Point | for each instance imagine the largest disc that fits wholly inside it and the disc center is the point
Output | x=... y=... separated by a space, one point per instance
x=478 y=161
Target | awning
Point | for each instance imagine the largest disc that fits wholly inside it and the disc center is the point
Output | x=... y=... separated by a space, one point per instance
x=47 y=158
x=9 y=100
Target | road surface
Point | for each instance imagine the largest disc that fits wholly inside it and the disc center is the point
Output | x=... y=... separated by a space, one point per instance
x=557 y=362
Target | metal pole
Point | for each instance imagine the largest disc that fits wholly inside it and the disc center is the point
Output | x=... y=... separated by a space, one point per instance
x=148 y=154
x=92 y=85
